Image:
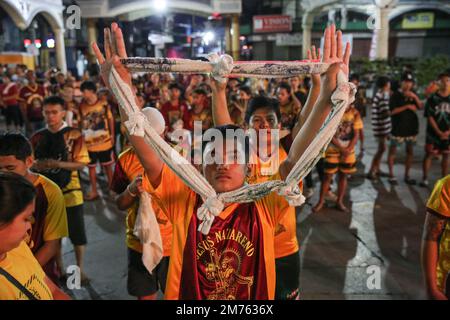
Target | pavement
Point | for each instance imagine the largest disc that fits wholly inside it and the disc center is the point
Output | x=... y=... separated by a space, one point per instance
x=373 y=252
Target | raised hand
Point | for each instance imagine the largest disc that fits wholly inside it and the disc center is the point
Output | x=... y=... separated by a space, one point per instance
x=334 y=55
x=114 y=51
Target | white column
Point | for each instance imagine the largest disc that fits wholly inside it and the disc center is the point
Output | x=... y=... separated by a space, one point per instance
x=382 y=33
x=235 y=43
x=60 y=50
x=92 y=37
x=307 y=23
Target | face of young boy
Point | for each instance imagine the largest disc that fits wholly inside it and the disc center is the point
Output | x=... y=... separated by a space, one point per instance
x=224 y=168
x=16 y=231
x=264 y=118
x=54 y=114
x=12 y=164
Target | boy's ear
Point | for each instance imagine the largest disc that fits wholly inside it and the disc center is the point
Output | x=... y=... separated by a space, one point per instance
x=29 y=161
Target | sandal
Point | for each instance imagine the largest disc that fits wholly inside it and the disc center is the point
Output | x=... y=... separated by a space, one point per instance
x=393 y=180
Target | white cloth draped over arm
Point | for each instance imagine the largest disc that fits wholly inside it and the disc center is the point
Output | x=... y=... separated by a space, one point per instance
x=213 y=202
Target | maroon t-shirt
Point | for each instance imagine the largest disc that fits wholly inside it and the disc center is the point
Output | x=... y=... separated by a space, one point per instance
x=228 y=263
x=27 y=95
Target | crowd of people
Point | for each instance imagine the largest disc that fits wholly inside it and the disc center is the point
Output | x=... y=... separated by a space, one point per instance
x=58 y=125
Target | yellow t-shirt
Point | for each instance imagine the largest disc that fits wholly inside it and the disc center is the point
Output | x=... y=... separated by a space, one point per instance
x=350 y=123
x=95 y=126
x=439 y=203
x=286 y=242
x=24 y=267
x=79 y=153
x=222 y=268
x=127 y=169
x=50 y=210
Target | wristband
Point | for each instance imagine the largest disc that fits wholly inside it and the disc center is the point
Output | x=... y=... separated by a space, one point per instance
x=131 y=193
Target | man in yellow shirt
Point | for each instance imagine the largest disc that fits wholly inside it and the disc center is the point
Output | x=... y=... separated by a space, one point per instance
x=60 y=152
x=50 y=218
x=97 y=125
x=436 y=242
x=236 y=259
x=21 y=276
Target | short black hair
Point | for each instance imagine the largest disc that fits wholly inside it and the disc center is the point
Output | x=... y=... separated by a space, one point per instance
x=16 y=193
x=443 y=75
x=260 y=102
x=382 y=82
x=246 y=89
x=286 y=86
x=200 y=91
x=54 y=100
x=224 y=130
x=175 y=85
x=15 y=144
x=354 y=76
x=88 y=85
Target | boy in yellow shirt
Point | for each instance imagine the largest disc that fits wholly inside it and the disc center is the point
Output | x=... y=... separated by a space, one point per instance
x=21 y=276
x=50 y=218
x=340 y=157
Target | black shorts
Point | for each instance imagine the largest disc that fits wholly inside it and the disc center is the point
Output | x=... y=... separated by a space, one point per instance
x=140 y=282
x=105 y=158
x=75 y=221
x=287 y=277
x=13 y=115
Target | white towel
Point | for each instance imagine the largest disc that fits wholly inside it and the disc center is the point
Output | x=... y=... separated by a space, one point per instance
x=147 y=230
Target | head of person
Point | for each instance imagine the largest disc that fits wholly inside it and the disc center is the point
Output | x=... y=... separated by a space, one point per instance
x=407 y=82
x=6 y=78
x=89 y=90
x=199 y=98
x=444 y=82
x=16 y=154
x=383 y=83
x=17 y=196
x=60 y=78
x=263 y=113
x=354 y=78
x=233 y=84
x=284 y=93
x=68 y=93
x=295 y=82
x=30 y=76
x=225 y=157
x=245 y=93
x=154 y=78
x=175 y=91
x=54 y=111
x=103 y=94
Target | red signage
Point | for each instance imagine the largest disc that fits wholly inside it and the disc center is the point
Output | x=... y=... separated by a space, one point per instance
x=275 y=23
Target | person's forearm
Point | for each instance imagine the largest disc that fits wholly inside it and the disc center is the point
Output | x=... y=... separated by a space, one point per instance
x=429 y=259
x=72 y=166
x=57 y=293
x=308 y=133
x=435 y=126
x=400 y=109
x=221 y=115
x=307 y=108
x=48 y=251
x=125 y=200
x=112 y=128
